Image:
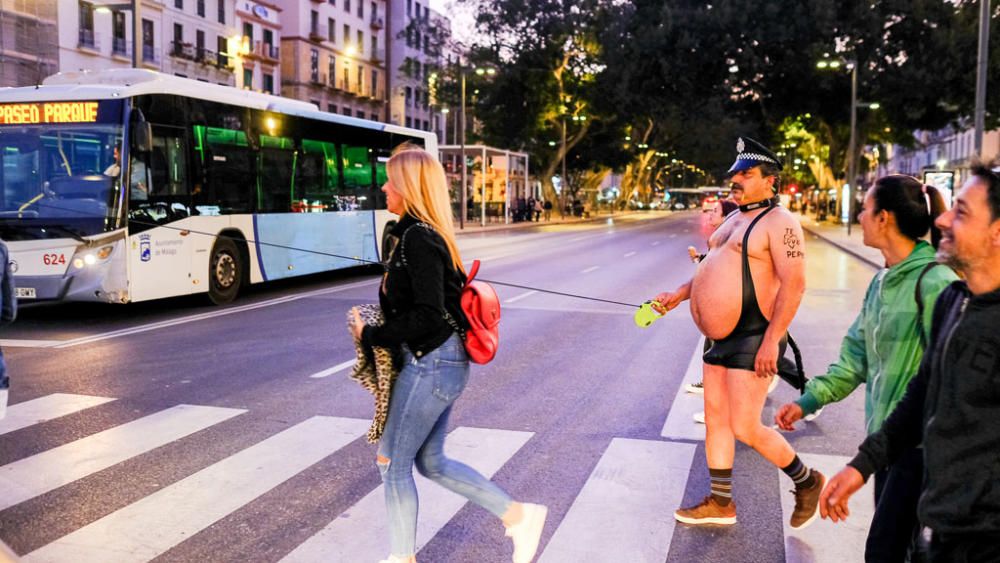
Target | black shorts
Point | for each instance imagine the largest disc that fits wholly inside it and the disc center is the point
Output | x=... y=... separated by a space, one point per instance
x=739 y=351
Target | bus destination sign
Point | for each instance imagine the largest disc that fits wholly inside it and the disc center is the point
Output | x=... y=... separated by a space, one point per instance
x=48 y=112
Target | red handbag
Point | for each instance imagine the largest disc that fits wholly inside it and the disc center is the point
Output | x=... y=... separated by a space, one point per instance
x=482 y=310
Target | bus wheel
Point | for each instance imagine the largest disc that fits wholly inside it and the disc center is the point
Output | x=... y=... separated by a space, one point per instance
x=225 y=272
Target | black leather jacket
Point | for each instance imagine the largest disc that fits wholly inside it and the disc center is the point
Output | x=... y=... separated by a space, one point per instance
x=419 y=285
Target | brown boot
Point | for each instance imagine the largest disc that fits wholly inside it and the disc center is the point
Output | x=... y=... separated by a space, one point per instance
x=807 y=502
x=707 y=511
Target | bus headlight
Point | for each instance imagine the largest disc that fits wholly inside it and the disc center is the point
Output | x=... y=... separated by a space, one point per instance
x=91 y=258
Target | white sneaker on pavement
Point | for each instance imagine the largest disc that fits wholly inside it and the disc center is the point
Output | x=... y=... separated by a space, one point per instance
x=392 y=559
x=812 y=416
x=528 y=532
x=697 y=388
x=699 y=417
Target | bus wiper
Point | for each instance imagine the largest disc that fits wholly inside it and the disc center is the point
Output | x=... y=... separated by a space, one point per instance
x=65 y=230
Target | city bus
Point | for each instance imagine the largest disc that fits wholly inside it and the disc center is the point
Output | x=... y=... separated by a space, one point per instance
x=128 y=185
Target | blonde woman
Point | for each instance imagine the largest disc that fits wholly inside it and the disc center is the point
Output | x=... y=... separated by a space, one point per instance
x=420 y=300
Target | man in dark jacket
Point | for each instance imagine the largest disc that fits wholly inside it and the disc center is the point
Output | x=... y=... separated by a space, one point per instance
x=8 y=310
x=952 y=405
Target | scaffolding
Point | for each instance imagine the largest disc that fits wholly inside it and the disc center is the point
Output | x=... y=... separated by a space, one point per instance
x=29 y=41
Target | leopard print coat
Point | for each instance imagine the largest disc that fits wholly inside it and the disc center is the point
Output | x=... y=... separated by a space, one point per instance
x=376 y=376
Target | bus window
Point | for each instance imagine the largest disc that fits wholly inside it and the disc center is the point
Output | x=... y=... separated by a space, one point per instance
x=317 y=178
x=168 y=164
x=277 y=161
x=231 y=165
x=358 y=175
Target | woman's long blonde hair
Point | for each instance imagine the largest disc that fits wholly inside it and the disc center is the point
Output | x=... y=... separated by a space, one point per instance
x=419 y=178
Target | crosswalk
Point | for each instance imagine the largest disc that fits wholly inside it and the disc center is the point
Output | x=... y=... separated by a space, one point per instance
x=620 y=513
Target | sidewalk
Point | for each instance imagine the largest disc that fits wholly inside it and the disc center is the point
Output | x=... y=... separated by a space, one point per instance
x=475 y=227
x=837 y=236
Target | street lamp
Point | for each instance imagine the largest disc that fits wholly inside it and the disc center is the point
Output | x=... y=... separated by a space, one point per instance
x=480 y=71
x=136 y=7
x=851 y=162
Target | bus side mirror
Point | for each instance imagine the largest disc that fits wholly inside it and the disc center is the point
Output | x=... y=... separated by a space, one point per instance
x=141 y=136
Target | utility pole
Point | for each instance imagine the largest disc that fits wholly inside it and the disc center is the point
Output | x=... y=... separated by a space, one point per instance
x=461 y=136
x=851 y=147
x=136 y=32
x=984 y=40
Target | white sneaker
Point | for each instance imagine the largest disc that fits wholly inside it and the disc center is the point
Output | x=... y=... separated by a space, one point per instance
x=392 y=559
x=696 y=388
x=527 y=532
x=773 y=384
x=699 y=417
x=812 y=416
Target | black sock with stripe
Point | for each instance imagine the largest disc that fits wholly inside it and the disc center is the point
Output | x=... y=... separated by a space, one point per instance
x=799 y=473
x=722 y=485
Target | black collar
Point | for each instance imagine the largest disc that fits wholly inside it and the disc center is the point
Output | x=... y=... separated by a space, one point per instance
x=772 y=202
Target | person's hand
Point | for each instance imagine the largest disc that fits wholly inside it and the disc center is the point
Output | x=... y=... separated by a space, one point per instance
x=787 y=415
x=666 y=301
x=833 y=499
x=766 y=362
x=357 y=325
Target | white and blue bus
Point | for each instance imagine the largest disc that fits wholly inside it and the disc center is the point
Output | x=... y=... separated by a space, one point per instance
x=130 y=185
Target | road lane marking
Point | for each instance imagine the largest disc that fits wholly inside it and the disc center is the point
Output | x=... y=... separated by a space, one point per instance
x=151 y=526
x=679 y=423
x=656 y=243
x=46 y=408
x=360 y=533
x=823 y=541
x=674 y=235
x=623 y=511
x=41 y=473
x=590 y=269
x=337 y=368
x=522 y=296
x=13 y=343
x=628 y=254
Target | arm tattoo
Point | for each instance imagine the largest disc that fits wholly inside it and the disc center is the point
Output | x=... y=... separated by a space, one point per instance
x=792 y=244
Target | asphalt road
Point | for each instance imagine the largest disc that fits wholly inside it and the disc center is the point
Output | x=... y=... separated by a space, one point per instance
x=224 y=436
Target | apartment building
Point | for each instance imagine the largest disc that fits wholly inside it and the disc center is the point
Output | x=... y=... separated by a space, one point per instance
x=418 y=56
x=333 y=55
x=258 y=66
x=29 y=41
x=188 y=38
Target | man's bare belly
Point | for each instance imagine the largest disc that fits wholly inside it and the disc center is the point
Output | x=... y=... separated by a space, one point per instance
x=717 y=290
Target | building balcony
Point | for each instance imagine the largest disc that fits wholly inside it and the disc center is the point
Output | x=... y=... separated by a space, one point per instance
x=184 y=51
x=318 y=33
x=377 y=22
x=150 y=55
x=87 y=39
x=264 y=51
x=120 y=47
x=318 y=78
x=377 y=56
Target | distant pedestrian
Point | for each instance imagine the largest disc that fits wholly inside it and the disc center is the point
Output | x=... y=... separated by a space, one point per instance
x=952 y=405
x=883 y=348
x=548 y=210
x=419 y=298
x=538 y=210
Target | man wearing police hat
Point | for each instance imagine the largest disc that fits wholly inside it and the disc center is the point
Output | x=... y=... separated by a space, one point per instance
x=744 y=295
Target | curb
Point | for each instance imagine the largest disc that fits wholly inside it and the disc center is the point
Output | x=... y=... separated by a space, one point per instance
x=529 y=224
x=845 y=248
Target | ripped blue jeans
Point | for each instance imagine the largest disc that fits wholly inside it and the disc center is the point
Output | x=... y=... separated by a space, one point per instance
x=414 y=434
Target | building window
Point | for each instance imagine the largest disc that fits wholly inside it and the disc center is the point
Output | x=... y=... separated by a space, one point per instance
x=361 y=8
x=248 y=31
x=331 y=108
x=409 y=97
x=222 y=11
x=248 y=78
x=331 y=68
x=331 y=30
x=347 y=34
x=347 y=111
x=269 y=83
x=314 y=65
x=118 y=42
x=347 y=6
x=375 y=84
x=222 y=45
x=374 y=11
x=361 y=41
x=314 y=22
x=86 y=25
x=148 y=41
x=409 y=122
x=331 y=2
x=269 y=43
x=374 y=46
x=201 y=8
x=179 y=4
x=409 y=7
x=178 y=46
x=199 y=44
x=361 y=79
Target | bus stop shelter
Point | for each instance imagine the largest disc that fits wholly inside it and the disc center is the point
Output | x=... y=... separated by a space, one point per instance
x=495 y=179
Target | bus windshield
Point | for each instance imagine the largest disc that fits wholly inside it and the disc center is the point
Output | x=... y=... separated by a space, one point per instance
x=58 y=180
